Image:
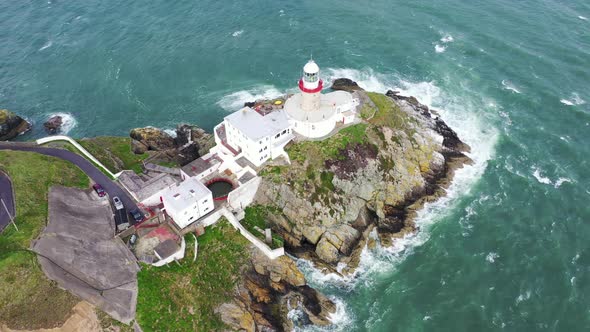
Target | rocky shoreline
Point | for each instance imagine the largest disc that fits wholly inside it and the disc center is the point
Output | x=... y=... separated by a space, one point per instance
x=331 y=197
x=336 y=245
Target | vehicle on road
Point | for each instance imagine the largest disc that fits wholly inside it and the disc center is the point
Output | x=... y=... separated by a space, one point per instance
x=137 y=215
x=117 y=202
x=99 y=190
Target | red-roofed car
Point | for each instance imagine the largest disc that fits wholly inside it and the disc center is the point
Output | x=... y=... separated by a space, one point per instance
x=98 y=188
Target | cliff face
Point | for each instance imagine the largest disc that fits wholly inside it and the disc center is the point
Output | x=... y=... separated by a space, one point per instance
x=12 y=125
x=372 y=174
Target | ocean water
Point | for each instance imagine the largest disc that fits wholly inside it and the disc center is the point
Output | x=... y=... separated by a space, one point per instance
x=507 y=249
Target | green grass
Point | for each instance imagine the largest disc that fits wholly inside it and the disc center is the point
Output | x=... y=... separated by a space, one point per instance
x=319 y=151
x=388 y=113
x=114 y=152
x=257 y=216
x=168 y=294
x=24 y=289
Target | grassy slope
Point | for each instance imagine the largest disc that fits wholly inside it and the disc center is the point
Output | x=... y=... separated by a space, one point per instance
x=104 y=148
x=24 y=290
x=168 y=295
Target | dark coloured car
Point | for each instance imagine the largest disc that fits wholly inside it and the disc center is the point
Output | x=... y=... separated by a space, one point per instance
x=99 y=190
x=137 y=215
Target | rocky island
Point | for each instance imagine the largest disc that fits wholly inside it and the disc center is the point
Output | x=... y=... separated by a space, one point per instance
x=323 y=200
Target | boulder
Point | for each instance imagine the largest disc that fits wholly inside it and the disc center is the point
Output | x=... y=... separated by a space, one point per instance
x=12 y=125
x=154 y=138
x=53 y=124
x=326 y=251
x=280 y=269
x=345 y=84
x=137 y=147
x=236 y=317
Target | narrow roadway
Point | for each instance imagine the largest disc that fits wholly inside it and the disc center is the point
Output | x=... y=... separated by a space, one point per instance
x=86 y=166
x=6 y=195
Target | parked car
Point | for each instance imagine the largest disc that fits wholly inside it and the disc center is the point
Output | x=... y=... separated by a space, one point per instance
x=117 y=202
x=98 y=188
x=137 y=215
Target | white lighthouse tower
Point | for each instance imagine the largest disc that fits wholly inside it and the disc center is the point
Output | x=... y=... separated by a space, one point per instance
x=313 y=114
x=311 y=86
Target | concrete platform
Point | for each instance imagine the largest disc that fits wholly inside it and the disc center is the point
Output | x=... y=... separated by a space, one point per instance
x=78 y=250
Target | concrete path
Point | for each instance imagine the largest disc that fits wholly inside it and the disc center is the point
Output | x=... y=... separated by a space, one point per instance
x=6 y=195
x=86 y=166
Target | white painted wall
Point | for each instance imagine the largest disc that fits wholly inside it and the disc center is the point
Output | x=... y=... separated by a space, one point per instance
x=243 y=196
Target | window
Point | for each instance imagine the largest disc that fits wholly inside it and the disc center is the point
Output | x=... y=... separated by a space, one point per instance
x=312 y=127
x=277 y=135
x=176 y=195
x=205 y=201
x=266 y=147
x=260 y=151
x=284 y=132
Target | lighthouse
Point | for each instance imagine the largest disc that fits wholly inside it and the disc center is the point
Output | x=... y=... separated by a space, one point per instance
x=311 y=86
x=316 y=115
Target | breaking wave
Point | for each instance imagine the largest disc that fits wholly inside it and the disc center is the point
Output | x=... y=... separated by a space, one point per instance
x=573 y=100
x=459 y=112
x=234 y=101
x=46 y=45
x=68 y=122
x=509 y=86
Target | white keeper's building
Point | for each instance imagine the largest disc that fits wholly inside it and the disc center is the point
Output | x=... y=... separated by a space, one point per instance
x=260 y=136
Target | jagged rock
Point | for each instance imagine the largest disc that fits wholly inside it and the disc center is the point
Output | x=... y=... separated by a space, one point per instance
x=326 y=251
x=345 y=84
x=192 y=142
x=313 y=233
x=154 y=138
x=236 y=316
x=138 y=147
x=404 y=159
x=280 y=269
x=12 y=125
x=53 y=124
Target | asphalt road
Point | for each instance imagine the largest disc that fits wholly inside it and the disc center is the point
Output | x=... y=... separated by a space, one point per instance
x=86 y=166
x=6 y=195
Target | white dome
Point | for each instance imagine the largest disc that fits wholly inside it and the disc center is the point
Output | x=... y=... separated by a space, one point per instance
x=311 y=67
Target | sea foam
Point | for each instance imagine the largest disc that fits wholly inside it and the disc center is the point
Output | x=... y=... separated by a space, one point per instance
x=573 y=100
x=68 y=122
x=46 y=45
x=509 y=86
x=234 y=101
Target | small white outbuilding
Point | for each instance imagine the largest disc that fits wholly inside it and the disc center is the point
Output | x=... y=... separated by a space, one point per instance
x=186 y=202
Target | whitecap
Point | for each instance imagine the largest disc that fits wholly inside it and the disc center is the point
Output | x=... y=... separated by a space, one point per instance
x=237 y=33
x=523 y=297
x=447 y=38
x=46 y=45
x=561 y=181
x=281 y=13
x=573 y=100
x=509 y=86
x=439 y=48
x=68 y=122
x=491 y=257
x=235 y=101
x=542 y=179
x=584 y=18
x=425 y=318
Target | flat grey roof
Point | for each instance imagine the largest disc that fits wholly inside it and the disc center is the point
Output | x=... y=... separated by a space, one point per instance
x=185 y=193
x=246 y=177
x=145 y=188
x=256 y=126
x=200 y=165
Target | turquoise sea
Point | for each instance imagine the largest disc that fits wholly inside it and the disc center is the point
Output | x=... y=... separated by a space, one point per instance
x=507 y=249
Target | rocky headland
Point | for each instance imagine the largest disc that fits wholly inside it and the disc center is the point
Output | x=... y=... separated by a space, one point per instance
x=370 y=177
x=12 y=125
